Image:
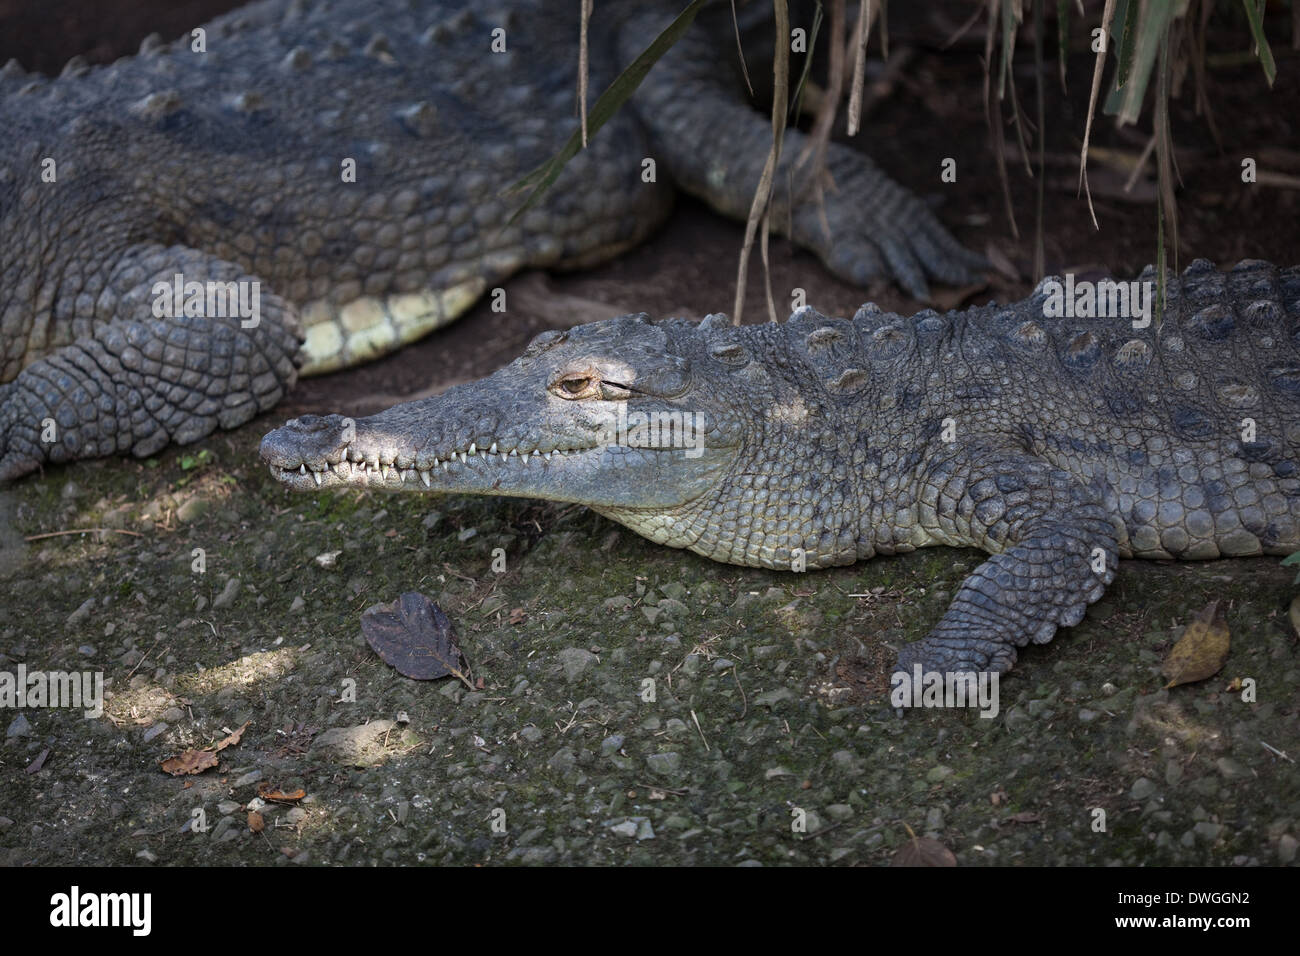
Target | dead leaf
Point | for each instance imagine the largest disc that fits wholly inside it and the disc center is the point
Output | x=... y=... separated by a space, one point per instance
x=191 y=761
x=923 y=851
x=517 y=615
x=1294 y=614
x=1201 y=651
x=413 y=635
x=234 y=737
x=197 y=761
x=271 y=794
x=256 y=822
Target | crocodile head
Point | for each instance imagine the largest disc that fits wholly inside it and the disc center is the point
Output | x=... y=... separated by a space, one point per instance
x=608 y=414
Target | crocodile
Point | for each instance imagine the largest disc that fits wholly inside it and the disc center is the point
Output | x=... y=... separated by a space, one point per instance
x=1053 y=439
x=299 y=187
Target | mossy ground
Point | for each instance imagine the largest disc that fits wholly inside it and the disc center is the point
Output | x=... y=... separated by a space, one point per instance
x=770 y=693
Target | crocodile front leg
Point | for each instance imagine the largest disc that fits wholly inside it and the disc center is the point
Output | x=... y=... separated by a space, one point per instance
x=137 y=380
x=1054 y=552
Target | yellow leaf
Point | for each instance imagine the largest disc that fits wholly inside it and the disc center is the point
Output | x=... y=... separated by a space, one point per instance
x=1201 y=651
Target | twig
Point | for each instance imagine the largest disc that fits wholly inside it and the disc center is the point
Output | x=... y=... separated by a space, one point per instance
x=55 y=534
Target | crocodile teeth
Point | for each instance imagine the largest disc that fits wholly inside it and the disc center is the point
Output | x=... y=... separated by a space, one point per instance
x=316 y=475
x=342 y=469
x=464 y=458
x=444 y=466
x=383 y=470
x=302 y=469
x=504 y=456
x=493 y=449
x=514 y=452
x=547 y=456
x=424 y=477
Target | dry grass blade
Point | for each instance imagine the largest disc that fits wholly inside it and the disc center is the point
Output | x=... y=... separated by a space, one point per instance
x=995 y=133
x=763 y=194
x=1108 y=15
x=740 y=50
x=862 y=33
x=583 y=67
x=820 y=137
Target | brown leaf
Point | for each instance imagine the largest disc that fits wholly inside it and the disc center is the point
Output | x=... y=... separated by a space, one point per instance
x=197 y=761
x=922 y=851
x=1201 y=651
x=256 y=822
x=191 y=761
x=270 y=793
x=517 y=615
x=414 y=636
x=234 y=738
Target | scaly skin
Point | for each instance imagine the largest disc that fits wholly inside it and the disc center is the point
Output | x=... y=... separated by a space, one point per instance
x=234 y=163
x=1057 y=445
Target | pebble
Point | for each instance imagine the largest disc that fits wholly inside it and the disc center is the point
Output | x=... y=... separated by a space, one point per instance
x=575 y=661
x=155 y=730
x=328 y=559
x=227 y=807
x=297 y=605
x=1231 y=769
x=249 y=778
x=228 y=594
x=1286 y=846
x=611 y=745
x=1143 y=789
x=19 y=727
x=83 y=612
x=666 y=763
x=532 y=734
x=87 y=650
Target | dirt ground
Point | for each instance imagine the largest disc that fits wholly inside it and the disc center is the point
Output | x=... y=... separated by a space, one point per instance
x=771 y=739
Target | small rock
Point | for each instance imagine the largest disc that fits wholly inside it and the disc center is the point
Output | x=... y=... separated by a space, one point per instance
x=328 y=559
x=1286 y=846
x=1207 y=831
x=83 y=612
x=627 y=828
x=19 y=727
x=227 y=807
x=938 y=774
x=611 y=745
x=296 y=815
x=297 y=605
x=1143 y=789
x=531 y=734
x=87 y=650
x=147 y=856
x=644 y=831
x=1087 y=716
x=228 y=594
x=574 y=661
x=155 y=730
x=667 y=764
x=193 y=509
x=248 y=779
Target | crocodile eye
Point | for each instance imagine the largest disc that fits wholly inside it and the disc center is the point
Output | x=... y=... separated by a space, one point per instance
x=575 y=386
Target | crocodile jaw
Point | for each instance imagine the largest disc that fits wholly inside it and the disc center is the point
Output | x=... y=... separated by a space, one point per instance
x=561 y=461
